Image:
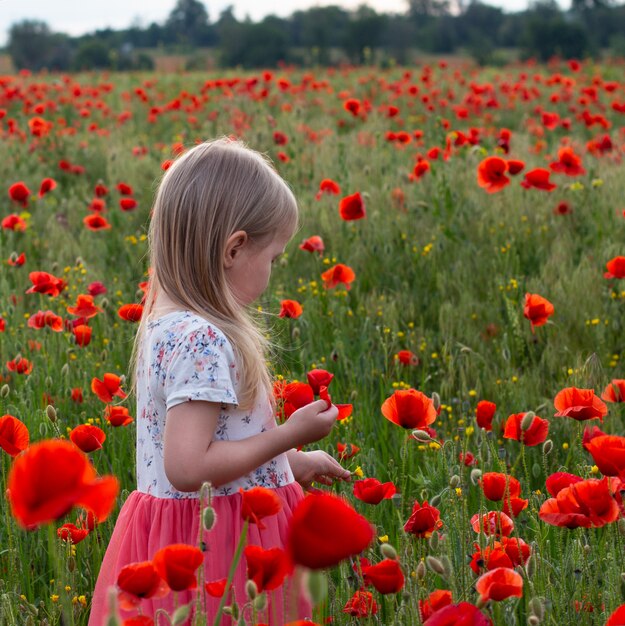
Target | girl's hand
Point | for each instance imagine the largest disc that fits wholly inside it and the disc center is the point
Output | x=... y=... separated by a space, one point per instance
x=310 y=423
x=316 y=466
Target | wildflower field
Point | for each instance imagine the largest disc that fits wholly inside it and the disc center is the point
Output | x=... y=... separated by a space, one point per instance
x=458 y=270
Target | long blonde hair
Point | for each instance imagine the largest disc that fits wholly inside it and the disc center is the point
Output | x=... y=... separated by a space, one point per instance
x=211 y=191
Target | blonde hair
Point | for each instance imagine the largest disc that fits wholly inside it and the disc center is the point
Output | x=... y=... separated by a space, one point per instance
x=211 y=191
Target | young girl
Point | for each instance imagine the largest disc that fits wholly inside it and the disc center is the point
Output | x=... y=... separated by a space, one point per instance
x=222 y=216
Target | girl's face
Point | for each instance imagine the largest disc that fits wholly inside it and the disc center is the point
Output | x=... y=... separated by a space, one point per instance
x=248 y=275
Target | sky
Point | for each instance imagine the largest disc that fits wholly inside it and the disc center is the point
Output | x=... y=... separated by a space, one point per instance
x=76 y=17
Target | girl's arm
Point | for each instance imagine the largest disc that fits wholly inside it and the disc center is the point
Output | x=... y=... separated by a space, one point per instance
x=192 y=458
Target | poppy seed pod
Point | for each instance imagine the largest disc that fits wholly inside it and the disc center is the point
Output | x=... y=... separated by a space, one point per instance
x=547 y=447
x=209 y=517
x=527 y=420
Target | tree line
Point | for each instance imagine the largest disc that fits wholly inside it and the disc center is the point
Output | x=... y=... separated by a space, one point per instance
x=327 y=35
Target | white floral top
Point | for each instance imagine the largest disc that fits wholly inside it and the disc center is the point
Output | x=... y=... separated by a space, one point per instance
x=185 y=358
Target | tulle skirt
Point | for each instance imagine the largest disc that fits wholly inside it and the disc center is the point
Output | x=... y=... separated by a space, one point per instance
x=146 y=524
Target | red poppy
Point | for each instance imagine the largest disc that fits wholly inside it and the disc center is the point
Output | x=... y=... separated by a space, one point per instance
x=537 y=310
x=614 y=391
x=579 y=404
x=96 y=222
x=47 y=184
x=513 y=506
x=46 y=283
x=617 y=617
x=279 y=138
x=176 y=565
x=346 y=450
x=484 y=413
x=87 y=437
x=318 y=378
x=568 y=163
x=130 y=312
x=407 y=357
x=41 y=319
x=127 y=204
x=36 y=499
x=534 y=434
x=372 y=491
x=499 y=584
x=100 y=190
x=76 y=395
x=140 y=580
x=586 y=503
x=455 y=614
x=138 y=620
x=107 y=388
x=491 y=557
x=71 y=533
x=20 y=365
x=14 y=222
x=352 y=105
x=560 y=480
x=492 y=523
x=615 y=267
x=124 y=189
x=538 y=179
x=562 y=208
x=98 y=205
x=117 y=415
x=352 y=207
x=515 y=166
x=19 y=192
x=496 y=486
x=258 y=503
x=608 y=453
x=291 y=309
x=386 y=576
x=420 y=169
x=96 y=288
x=491 y=174
x=216 y=588
x=409 y=409
x=267 y=568
x=338 y=275
x=361 y=604
x=39 y=127
x=316 y=544
x=14 y=436
x=82 y=335
x=295 y=396
x=468 y=459
x=423 y=520
x=313 y=244
x=436 y=601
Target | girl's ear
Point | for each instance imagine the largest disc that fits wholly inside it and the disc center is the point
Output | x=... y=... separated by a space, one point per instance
x=236 y=242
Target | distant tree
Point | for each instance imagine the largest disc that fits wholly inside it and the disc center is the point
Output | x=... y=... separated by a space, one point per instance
x=364 y=31
x=428 y=8
x=320 y=28
x=32 y=45
x=188 y=24
x=92 y=54
x=581 y=5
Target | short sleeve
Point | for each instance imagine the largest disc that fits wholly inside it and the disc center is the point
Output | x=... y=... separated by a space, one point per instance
x=202 y=367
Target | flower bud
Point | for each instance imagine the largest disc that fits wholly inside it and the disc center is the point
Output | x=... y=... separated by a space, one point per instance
x=251 y=590
x=260 y=602
x=388 y=551
x=296 y=332
x=436 y=400
x=436 y=500
x=65 y=369
x=421 y=571
x=435 y=565
x=547 y=447
x=446 y=565
x=209 y=517
x=421 y=435
x=533 y=620
x=71 y=563
x=537 y=608
x=476 y=474
x=433 y=540
x=5 y=390
x=454 y=481
x=181 y=614
x=527 y=420
x=530 y=566
x=51 y=413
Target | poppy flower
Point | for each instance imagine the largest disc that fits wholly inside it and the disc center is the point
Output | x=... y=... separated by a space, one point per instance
x=338 y=275
x=84 y=307
x=20 y=365
x=140 y=580
x=463 y=613
x=14 y=436
x=124 y=189
x=538 y=178
x=515 y=166
x=484 y=413
x=423 y=520
x=318 y=378
x=291 y=309
x=617 y=617
x=71 y=533
x=361 y=604
x=96 y=288
x=130 y=312
x=16 y=260
x=372 y=491
x=317 y=544
x=82 y=335
x=386 y=576
x=537 y=310
x=100 y=190
x=76 y=395
x=267 y=568
x=36 y=499
x=127 y=204
x=176 y=565
x=614 y=391
x=586 y=503
x=117 y=415
x=468 y=458
x=87 y=437
x=295 y=396
x=491 y=557
x=96 y=222
x=216 y=588
x=47 y=184
x=39 y=127
x=608 y=453
x=534 y=434
x=407 y=358
x=558 y=481
x=137 y=620
x=562 y=208
x=352 y=207
x=499 y=584
x=352 y=106
x=313 y=244
x=492 y=523
x=346 y=450
x=579 y=404
x=19 y=192
x=568 y=163
x=420 y=169
x=491 y=174
x=14 y=222
x=41 y=319
x=496 y=486
x=108 y=387
x=436 y=601
x=46 y=283
x=280 y=138
x=615 y=267
x=258 y=503
x=98 y=205
x=409 y=409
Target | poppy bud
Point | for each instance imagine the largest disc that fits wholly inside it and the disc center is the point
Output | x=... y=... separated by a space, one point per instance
x=476 y=474
x=51 y=413
x=547 y=447
x=49 y=382
x=208 y=518
x=537 y=608
x=435 y=565
x=30 y=621
x=527 y=420
x=65 y=369
x=620 y=526
x=532 y=620
x=434 y=540
x=251 y=590
x=104 y=355
x=71 y=563
x=421 y=435
x=232 y=610
x=446 y=565
x=295 y=333
x=205 y=491
x=435 y=501
x=454 y=481
x=317 y=585
x=181 y=615
x=260 y=602
x=5 y=390
x=388 y=551
x=436 y=400
x=530 y=566
x=104 y=303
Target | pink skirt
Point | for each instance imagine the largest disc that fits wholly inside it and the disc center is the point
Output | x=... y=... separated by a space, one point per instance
x=146 y=524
